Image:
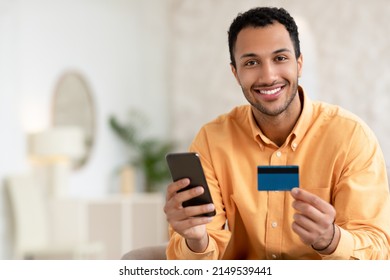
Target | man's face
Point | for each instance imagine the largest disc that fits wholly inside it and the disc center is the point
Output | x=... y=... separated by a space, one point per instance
x=266 y=68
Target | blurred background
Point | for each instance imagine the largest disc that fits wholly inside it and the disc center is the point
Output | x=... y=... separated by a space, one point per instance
x=90 y=88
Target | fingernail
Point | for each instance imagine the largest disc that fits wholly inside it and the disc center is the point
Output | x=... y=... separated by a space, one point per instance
x=184 y=182
x=199 y=190
x=293 y=204
x=294 y=191
x=210 y=207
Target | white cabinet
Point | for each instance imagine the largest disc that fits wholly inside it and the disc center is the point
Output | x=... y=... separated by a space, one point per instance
x=120 y=223
x=127 y=222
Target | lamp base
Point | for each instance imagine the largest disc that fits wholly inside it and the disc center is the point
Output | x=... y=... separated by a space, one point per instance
x=54 y=176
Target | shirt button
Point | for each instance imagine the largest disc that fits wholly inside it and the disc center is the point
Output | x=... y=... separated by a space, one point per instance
x=274 y=224
x=294 y=145
x=278 y=153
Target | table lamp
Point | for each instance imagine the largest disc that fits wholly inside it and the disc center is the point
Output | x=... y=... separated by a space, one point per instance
x=52 y=153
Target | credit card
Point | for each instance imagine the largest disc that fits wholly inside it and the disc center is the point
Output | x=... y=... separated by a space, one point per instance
x=277 y=177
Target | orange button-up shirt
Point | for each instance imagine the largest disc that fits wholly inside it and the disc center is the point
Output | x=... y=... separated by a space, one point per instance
x=339 y=160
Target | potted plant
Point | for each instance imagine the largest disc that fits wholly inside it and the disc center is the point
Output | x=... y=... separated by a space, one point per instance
x=146 y=153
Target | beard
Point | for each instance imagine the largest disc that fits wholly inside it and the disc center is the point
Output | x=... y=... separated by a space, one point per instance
x=275 y=112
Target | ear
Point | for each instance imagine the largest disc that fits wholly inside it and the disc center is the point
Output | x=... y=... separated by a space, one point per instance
x=300 y=64
x=234 y=71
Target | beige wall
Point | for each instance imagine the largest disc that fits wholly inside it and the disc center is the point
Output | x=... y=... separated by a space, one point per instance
x=346 y=59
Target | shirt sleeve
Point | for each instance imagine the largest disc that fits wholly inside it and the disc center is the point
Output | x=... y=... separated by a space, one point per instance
x=361 y=200
x=219 y=236
x=177 y=247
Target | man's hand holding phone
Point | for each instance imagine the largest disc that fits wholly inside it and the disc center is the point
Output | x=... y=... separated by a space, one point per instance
x=188 y=221
x=189 y=206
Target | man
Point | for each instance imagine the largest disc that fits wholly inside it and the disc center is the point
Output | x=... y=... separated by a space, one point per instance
x=341 y=209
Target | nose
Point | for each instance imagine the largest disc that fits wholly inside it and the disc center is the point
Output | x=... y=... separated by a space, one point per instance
x=267 y=73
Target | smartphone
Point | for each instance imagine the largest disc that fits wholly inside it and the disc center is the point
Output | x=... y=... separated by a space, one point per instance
x=188 y=165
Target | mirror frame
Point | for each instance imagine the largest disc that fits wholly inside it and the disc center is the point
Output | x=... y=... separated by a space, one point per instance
x=75 y=108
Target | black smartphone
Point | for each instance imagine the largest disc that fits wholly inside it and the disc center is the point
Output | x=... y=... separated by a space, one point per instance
x=188 y=165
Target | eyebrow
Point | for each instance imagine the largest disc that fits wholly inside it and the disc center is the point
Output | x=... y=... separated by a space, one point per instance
x=274 y=52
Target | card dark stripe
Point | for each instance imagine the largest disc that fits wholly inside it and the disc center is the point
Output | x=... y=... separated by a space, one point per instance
x=277 y=169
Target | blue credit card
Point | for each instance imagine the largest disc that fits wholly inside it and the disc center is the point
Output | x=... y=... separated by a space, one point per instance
x=277 y=177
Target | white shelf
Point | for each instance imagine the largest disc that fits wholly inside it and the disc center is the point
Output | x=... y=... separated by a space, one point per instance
x=121 y=223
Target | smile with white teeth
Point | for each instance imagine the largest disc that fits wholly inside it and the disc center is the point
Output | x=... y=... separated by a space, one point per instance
x=270 y=92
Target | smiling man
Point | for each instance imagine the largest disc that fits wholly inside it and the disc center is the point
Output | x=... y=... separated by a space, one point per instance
x=341 y=208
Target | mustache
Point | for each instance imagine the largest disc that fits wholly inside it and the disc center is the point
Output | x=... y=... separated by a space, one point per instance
x=265 y=85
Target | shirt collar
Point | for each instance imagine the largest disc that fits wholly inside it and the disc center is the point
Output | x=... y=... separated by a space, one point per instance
x=298 y=131
x=304 y=121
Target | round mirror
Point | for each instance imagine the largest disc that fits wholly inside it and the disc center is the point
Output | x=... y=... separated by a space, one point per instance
x=73 y=106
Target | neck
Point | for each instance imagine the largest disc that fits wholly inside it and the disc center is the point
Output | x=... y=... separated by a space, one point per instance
x=278 y=128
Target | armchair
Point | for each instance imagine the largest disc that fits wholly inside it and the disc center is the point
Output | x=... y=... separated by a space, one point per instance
x=147 y=253
x=32 y=227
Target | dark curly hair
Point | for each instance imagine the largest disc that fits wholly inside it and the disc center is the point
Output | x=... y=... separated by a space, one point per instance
x=261 y=17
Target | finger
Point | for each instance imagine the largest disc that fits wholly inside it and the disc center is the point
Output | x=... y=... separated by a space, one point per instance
x=180 y=197
x=303 y=234
x=174 y=187
x=189 y=212
x=192 y=211
x=312 y=199
x=186 y=226
x=174 y=209
x=322 y=217
x=308 y=229
x=306 y=223
x=307 y=210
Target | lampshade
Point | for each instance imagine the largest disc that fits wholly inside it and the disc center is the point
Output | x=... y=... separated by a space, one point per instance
x=58 y=141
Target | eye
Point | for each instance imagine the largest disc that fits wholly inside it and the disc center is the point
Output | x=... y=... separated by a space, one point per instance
x=251 y=63
x=280 y=58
